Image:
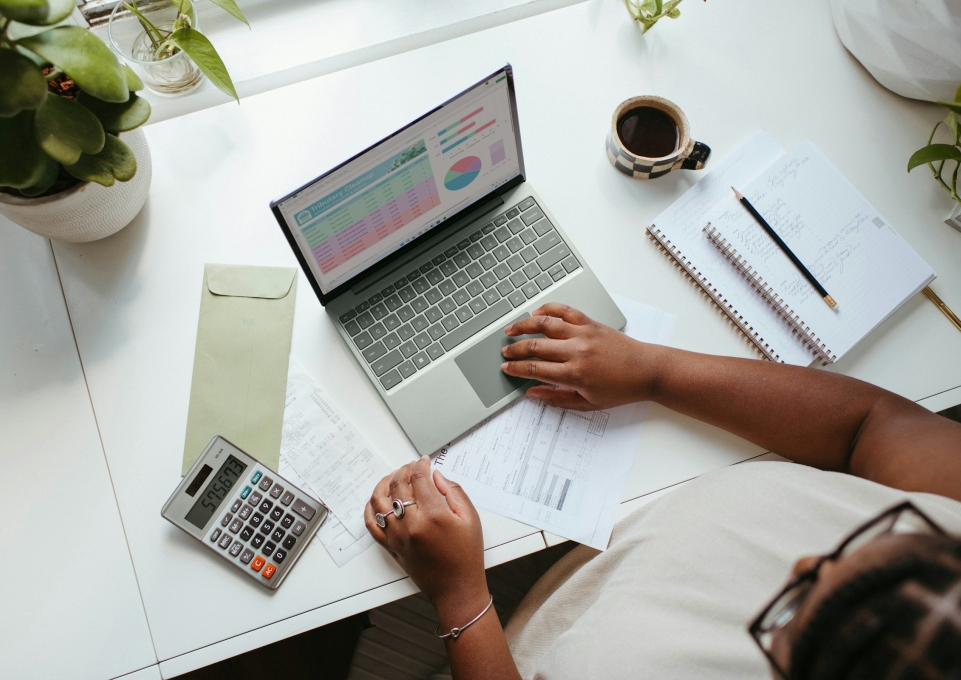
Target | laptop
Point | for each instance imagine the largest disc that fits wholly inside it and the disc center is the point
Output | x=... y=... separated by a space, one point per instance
x=424 y=246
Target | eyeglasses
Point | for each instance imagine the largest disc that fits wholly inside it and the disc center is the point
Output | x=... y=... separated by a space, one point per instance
x=901 y=519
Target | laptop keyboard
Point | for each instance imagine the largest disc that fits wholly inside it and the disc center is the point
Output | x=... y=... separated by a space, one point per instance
x=434 y=308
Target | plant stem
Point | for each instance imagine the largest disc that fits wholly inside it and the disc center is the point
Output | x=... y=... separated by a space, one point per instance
x=148 y=27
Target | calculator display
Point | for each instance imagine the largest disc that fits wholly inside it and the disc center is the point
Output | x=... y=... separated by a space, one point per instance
x=216 y=492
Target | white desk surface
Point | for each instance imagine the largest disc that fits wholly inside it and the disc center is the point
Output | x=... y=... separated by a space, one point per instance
x=734 y=67
x=69 y=592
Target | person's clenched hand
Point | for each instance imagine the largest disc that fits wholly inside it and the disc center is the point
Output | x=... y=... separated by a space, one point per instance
x=438 y=542
x=584 y=364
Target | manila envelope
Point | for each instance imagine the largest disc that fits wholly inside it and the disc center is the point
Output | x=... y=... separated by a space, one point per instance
x=240 y=364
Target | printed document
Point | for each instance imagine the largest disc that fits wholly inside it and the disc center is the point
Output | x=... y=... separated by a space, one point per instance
x=558 y=470
x=323 y=452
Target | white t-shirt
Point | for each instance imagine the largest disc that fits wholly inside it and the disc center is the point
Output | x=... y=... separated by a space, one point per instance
x=684 y=576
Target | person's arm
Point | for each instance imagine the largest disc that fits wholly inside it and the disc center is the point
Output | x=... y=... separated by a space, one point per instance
x=813 y=417
x=440 y=545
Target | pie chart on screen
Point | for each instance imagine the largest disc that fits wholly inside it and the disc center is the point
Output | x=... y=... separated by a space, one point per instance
x=462 y=173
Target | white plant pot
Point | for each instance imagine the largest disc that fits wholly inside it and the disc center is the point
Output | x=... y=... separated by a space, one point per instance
x=912 y=47
x=88 y=211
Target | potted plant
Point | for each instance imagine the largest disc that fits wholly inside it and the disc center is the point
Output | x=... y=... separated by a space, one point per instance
x=936 y=155
x=65 y=102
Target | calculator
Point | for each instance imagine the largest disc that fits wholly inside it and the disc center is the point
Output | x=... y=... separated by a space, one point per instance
x=249 y=515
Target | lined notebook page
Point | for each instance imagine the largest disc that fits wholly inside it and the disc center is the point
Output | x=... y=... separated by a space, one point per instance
x=843 y=241
x=684 y=221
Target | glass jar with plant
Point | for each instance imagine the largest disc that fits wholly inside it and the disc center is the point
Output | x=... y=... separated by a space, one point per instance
x=936 y=155
x=65 y=99
x=162 y=42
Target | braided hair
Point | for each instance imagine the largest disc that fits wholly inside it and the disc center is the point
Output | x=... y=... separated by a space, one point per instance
x=900 y=621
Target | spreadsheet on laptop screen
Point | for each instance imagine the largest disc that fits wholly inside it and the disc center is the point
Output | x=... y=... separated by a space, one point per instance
x=362 y=212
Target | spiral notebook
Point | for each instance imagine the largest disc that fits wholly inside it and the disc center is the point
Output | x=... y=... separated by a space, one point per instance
x=849 y=247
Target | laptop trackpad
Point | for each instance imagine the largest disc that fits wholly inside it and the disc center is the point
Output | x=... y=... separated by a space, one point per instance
x=481 y=365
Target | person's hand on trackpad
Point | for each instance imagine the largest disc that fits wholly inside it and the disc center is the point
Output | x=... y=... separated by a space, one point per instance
x=585 y=364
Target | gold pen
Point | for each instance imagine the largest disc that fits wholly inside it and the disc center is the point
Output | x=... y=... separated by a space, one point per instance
x=939 y=303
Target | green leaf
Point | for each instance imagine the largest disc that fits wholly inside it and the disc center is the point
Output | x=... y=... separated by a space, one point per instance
x=84 y=58
x=951 y=106
x=231 y=8
x=134 y=84
x=674 y=13
x=37 y=12
x=117 y=118
x=22 y=85
x=46 y=181
x=22 y=162
x=199 y=49
x=65 y=129
x=116 y=161
x=932 y=153
x=951 y=120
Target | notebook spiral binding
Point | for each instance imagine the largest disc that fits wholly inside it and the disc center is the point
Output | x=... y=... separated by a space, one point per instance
x=711 y=293
x=780 y=307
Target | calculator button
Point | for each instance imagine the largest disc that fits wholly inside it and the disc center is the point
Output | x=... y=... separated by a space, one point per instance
x=226 y=520
x=269 y=570
x=278 y=534
x=256 y=519
x=247 y=556
x=279 y=556
x=287 y=521
x=276 y=491
x=265 y=483
x=236 y=548
x=276 y=513
x=225 y=541
x=255 y=499
x=289 y=542
x=245 y=512
x=214 y=536
x=268 y=548
x=298 y=528
x=304 y=510
x=256 y=477
x=236 y=526
x=257 y=541
x=267 y=527
x=236 y=506
x=246 y=533
x=266 y=506
x=287 y=499
x=258 y=563
x=245 y=492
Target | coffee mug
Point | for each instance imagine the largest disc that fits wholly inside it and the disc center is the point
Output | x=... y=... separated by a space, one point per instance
x=650 y=136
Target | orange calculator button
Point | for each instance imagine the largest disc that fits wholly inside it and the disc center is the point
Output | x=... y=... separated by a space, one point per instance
x=269 y=570
x=257 y=564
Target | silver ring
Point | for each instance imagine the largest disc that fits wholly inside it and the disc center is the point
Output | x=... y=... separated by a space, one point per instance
x=398 y=510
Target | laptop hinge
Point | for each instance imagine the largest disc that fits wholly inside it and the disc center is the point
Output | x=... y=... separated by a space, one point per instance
x=430 y=241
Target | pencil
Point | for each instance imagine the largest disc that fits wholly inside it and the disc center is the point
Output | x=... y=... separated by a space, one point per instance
x=787 y=251
x=943 y=307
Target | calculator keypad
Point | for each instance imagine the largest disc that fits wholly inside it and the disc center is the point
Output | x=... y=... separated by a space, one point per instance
x=261 y=532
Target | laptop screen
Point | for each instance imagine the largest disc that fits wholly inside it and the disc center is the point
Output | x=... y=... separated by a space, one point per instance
x=374 y=204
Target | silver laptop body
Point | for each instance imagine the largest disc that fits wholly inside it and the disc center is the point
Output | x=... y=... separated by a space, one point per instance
x=423 y=247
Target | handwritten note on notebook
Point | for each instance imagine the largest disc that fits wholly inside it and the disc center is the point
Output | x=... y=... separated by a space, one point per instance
x=846 y=244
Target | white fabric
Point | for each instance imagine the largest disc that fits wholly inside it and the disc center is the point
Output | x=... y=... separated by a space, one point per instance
x=683 y=577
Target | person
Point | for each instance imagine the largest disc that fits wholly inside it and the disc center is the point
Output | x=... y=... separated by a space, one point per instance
x=692 y=584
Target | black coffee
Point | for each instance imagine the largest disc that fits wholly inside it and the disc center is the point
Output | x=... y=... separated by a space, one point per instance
x=646 y=131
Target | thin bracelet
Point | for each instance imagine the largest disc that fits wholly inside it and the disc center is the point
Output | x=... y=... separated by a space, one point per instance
x=455 y=632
